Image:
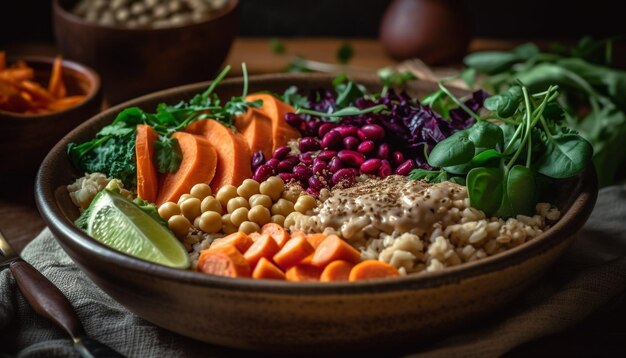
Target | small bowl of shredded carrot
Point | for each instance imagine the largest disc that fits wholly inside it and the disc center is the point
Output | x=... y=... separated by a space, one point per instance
x=41 y=100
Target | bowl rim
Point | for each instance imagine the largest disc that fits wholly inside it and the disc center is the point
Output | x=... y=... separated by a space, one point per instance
x=67 y=234
x=90 y=74
x=59 y=9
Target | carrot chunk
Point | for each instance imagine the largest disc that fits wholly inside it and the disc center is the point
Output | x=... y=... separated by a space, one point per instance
x=239 y=240
x=315 y=239
x=227 y=261
x=294 y=251
x=266 y=270
x=334 y=248
x=56 y=87
x=147 y=182
x=198 y=166
x=303 y=273
x=264 y=246
x=337 y=271
x=277 y=232
x=372 y=270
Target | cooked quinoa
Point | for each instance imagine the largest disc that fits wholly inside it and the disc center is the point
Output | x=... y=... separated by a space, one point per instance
x=419 y=227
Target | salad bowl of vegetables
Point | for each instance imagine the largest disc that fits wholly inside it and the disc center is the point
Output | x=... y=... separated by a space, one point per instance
x=278 y=238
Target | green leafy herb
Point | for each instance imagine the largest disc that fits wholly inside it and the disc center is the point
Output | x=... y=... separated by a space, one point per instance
x=277 y=46
x=345 y=53
x=390 y=77
x=344 y=112
x=292 y=97
x=168 y=154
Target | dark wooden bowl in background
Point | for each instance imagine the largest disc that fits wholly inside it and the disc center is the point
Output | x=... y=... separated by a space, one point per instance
x=136 y=61
x=300 y=317
x=25 y=139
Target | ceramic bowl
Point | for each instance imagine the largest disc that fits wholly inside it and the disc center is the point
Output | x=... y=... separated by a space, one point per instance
x=301 y=317
x=136 y=61
x=25 y=139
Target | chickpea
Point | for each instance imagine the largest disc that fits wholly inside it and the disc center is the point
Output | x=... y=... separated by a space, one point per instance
x=278 y=219
x=272 y=187
x=292 y=193
x=238 y=216
x=200 y=191
x=211 y=204
x=260 y=199
x=259 y=214
x=227 y=225
x=290 y=220
x=236 y=203
x=305 y=203
x=191 y=208
x=183 y=198
x=196 y=222
x=179 y=225
x=249 y=227
x=169 y=209
x=225 y=193
x=282 y=207
x=248 y=188
x=210 y=222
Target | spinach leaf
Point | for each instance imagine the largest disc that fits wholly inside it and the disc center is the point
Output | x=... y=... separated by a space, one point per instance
x=455 y=150
x=485 y=189
x=520 y=192
x=491 y=62
x=486 y=135
x=566 y=155
x=506 y=103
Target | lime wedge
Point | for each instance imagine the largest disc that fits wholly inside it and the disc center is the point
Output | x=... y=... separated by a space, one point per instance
x=123 y=226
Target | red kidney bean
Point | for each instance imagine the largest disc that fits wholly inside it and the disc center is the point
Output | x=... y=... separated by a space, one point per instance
x=332 y=140
x=293 y=158
x=295 y=121
x=371 y=166
x=308 y=144
x=325 y=128
x=263 y=172
x=366 y=147
x=273 y=163
x=351 y=142
x=326 y=155
x=335 y=164
x=372 y=132
x=281 y=152
x=347 y=131
x=319 y=167
x=287 y=177
x=312 y=127
x=383 y=151
x=315 y=183
x=385 y=169
x=345 y=176
x=257 y=159
x=285 y=166
x=351 y=158
x=397 y=157
x=302 y=172
x=306 y=158
x=406 y=167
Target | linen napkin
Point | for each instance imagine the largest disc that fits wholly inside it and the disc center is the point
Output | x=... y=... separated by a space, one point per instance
x=591 y=273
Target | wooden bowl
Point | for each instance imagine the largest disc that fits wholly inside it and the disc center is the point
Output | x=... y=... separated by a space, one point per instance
x=136 y=61
x=300 y=317
x=25 y=139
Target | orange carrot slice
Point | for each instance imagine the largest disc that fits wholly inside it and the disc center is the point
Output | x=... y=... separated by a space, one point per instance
x=233 y=153
x=147 y=182
x=277 y=232
x=3 y=60
x=294 y=251
x=303 y=273
x=239 y=240
x=315 y=239
x=227 y=261
x=267 y=270
x=256 y=126
x=337 y=271
x=198 y=166
x=264 y=246
x=334 y=248
x=372 y=270
x=275 y=109
x=56 y=86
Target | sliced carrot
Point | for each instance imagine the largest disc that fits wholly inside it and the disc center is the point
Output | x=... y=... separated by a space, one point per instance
x=56 y=86
x=303 y=273
x=267 y=270
x=227 y=261
x=316 y=239
x=64 y=103
x=256 y=127
x=254 y=235
x=275 y=109
x=3 y=60
x=233 y=153
x=17 y=74
x=264 y=246
x=334 y=248
x=337 y=271
x=147 y=182
x=198 y=166
x=372 y=270
x=239 y=240
x=294 y=251
x=277 y=232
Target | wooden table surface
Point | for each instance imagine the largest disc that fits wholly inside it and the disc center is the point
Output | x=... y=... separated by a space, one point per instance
x=20 y=222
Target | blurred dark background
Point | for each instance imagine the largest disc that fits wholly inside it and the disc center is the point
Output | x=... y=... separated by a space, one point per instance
x=30 y=20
